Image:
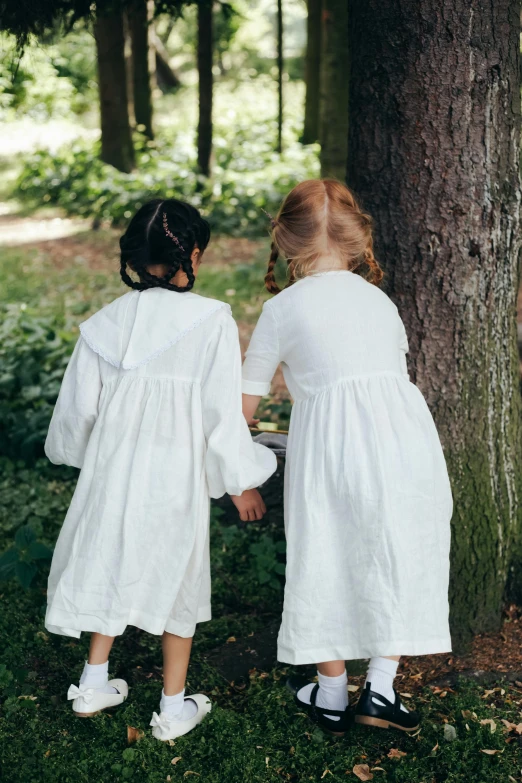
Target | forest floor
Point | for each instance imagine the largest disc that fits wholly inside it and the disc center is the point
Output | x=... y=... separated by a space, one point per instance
x=471 y=704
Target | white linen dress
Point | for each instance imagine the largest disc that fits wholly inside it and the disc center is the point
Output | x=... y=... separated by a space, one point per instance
x=150 y=410
x=367 y=497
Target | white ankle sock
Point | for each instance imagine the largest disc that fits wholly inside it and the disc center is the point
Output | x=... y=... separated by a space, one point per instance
x=176 y=707
x=96 y=675
x=332 y=693
x=381 y=673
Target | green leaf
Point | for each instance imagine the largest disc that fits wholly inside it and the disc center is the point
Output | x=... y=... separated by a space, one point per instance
x=8 y=563
x=38 y=551
x=24 y=536
x=25 y=573
x=128 y=754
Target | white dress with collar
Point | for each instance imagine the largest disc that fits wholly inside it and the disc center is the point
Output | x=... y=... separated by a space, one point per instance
x=150 y=410
x=367 y=496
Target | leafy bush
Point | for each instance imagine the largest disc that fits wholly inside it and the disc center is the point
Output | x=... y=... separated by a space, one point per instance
x=248 y=177
x=22 y=560
x=33 y=355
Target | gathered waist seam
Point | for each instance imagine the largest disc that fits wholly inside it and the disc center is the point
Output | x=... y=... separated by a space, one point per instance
x=171 y=378
x=349 y=378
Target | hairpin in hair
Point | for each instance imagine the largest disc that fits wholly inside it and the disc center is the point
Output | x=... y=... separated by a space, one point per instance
x=170 y=234
x=273 y=221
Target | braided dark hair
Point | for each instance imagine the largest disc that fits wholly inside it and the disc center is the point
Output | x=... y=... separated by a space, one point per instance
x=163 y=231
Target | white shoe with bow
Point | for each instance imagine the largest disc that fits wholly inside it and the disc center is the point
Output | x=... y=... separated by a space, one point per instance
x=165 y=728
x=90 y=701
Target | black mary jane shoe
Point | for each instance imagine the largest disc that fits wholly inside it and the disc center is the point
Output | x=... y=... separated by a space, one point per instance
x=323 y=717
x=385 y=715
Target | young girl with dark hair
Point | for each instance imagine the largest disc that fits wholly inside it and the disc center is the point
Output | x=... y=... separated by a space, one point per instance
x=367 y=497
x=150 y=410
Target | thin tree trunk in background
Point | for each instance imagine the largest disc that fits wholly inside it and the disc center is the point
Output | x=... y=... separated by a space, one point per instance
x=127 y=49
x=334 y=89
x=116 y=137
x=140 y=15
x=434 y=154
x=166 y=77
x=280 y=65
x=205 y=62
x=312 y=72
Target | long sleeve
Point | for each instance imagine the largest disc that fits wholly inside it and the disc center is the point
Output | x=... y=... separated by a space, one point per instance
x=76 y=409
x=404 y=348
x=234 y=462
x=262 y=356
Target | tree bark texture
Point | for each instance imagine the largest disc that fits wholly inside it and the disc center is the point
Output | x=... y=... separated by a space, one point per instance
x=140 y=15
x=434 y=155
x=116 y=137
x=205 y=62
x=334 y=88
x=312 y=72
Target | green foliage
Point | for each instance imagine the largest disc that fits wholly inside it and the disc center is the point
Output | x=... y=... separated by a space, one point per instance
x=247 y=178
x=24 y=558
x=33 y=357
x=44 y=82
x=267 y=565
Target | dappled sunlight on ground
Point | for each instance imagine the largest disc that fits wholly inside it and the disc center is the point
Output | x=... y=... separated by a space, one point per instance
x=18 y=230
x=25 y=135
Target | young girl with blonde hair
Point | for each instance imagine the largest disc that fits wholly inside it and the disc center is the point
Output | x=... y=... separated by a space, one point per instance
x=367 y=497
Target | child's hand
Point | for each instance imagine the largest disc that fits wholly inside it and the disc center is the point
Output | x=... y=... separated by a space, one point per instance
x=250 y=505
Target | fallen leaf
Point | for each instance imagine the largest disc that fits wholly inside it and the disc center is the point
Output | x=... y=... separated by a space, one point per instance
x=396 y=754
x=231 y=639
x=435 y=749
x=466 y=714
x=489 y=722
x=168 y=778
x=30 y=698
x=133 y=735
x=353 y=688
x=170 y=742
x=175 y=759
x=491 y=752
x=362 y=771
x=488 y=693
x=325 y=773
x=517 y=682
x=512 y=726
x=406 y=695
x=189 y=772
x=450 y=732
x=417 y=676
x=47 y=753
x=379 y=769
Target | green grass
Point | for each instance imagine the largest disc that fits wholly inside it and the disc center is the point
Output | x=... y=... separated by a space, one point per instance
x=254 y=733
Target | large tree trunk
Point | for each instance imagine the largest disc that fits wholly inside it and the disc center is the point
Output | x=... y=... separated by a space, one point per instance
x=312 y=72
x=280 y=65
x=334 y=88
x=205 y=60
x=434 y=154
x=116 y=138
x=140 y=15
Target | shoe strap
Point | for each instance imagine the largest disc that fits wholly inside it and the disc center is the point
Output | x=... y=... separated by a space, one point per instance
x=323 y=711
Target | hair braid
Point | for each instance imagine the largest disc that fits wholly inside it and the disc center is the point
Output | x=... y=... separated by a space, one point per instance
x=270 y=281
x=163 y=232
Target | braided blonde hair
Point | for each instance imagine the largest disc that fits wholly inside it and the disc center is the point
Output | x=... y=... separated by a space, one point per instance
x=318 y=218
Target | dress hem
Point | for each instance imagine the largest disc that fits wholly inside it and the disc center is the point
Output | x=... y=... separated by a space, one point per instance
x=351 y=653
x=61 y=623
